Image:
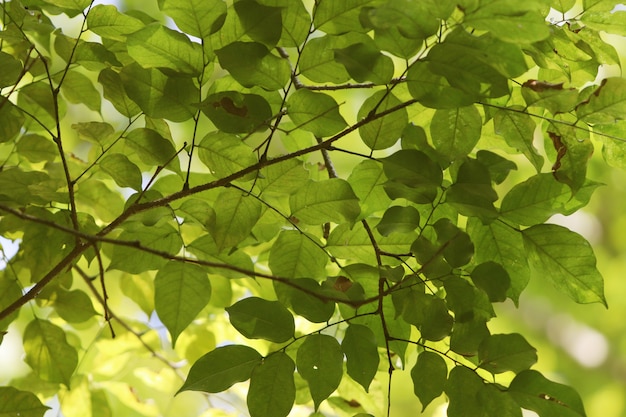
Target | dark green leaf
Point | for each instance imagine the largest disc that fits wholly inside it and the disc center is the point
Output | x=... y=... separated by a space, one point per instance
x=296 y=23
x=151 y=147
x=367 y=179
x=20 y=403
x=307 y=299
x=48 y=352
x=429 y=376
x=256 y=318
x=322 y=201
x=339 y=17
x=261 y=23
x=233 y=112
x=252 y=64
x=114 y=92
x=535 y=392
x=320 y=362
x=433 y=90
x=384 y=132
x=498 y=166
x=181 y=291
x=412 y=175
x=472 y=193
x=492 y=278
x=11 y=120
x=272 y=389
x=361 y=350
x=37 y=148
x=399 y=219
x=158 y=95
x=10 y=69
x=364 y=62
x=506 y=352
x=566 y=260
x=456 y=246
x=73 y=306
x=221 y=368
x=78 y=88
x=315 y=112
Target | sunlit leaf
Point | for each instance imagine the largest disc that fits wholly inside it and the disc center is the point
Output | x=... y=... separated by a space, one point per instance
x=14 y=402
x=48 y=352
x=315 y=112
x=506 y=352
x=181 y=292
x=566 y=260
x=322 y=201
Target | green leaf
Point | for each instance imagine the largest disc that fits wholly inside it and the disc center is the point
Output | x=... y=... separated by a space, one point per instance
x=317 y=113
x=551 y=96
x=412 y=175
x=412 y=20
x=364 y=62
x=506 y=352
x=115 y=93
x=538 y=198
x=151 y=147
x=252 y=65
x=11 y=120
x=233 y=112
x=548 y=399
x=433 y=90
x=283 y=178
x=256 y=318
x=367 y=179
x=492 y=278
x=610 y=21
x=318 y=63
x=339 y=17
x=237 y=216
x=384 y=132
x=198 y=18
x=206 y=249
x=221 y=368
x=260 y=22
x=606 y=105
x=160 y=96
x=574 y=150
x=295 y=255
x=399 y=219
x=163 y=238
x=108 y=22
x=518 y=130
x=307 y=299
x=156 y=46
x=456 y=246
x=296 y=23
x=224 y=154
x=272 y=389
x=477 y=65
x=37 y=100
x=20 y=403
x=472 y=193
x=181 y=291
x=37 y=148
x=429 y=376
x=455 y=132
x=498 y=166
x=467 y=336
x=9 y=292
x=123 y=172
x=504 y=245
x=499 y=16
x=10 y=69
x=48 y=352
x=322 y=201
x=565 y=259
x=470 y=397
x=320 y=362
x=361 y=350
x=73 y=306
x=78 y=88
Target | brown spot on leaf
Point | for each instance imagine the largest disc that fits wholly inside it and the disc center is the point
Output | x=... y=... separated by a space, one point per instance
x=230 y=107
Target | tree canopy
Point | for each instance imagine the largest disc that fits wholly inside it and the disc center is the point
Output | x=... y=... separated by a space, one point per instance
x=306 y=197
